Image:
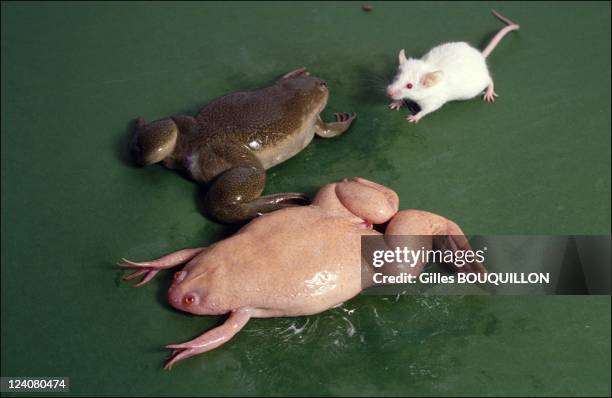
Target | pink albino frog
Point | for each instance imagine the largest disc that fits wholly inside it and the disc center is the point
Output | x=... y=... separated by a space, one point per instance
x=291 y=262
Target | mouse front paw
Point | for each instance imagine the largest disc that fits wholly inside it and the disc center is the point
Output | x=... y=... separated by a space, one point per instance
x=396 y=105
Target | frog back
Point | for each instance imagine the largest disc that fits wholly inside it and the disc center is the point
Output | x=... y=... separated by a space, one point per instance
x=274 y=123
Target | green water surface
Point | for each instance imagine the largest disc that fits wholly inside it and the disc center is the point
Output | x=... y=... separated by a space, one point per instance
x=537 y=161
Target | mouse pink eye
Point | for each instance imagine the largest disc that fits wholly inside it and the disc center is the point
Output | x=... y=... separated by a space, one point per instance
x=188 y=300
x=409 y=86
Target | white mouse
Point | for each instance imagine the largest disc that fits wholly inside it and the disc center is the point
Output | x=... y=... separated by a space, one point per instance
x=448 y=72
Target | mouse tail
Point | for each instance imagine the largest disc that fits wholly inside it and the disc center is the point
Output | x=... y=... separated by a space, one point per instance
x=510 y=26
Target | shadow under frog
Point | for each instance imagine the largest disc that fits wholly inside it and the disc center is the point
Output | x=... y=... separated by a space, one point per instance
x=232 y=141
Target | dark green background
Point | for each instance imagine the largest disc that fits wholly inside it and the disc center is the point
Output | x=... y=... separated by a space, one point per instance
x=536 y=161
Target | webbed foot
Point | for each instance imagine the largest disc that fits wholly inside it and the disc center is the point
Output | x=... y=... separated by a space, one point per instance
x=334 y=129
x=235 y=196
x=211 y=339
x=150 y=268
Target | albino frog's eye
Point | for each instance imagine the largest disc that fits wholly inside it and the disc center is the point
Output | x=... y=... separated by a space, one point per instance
x=189 y=299
x=179 y=276
x=409 y=86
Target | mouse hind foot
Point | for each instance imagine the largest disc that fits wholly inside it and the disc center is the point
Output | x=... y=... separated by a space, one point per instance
x=489 y=94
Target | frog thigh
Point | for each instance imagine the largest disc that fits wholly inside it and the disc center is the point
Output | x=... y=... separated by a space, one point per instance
x=235 y=194
x=429 y=230
x=368 y=200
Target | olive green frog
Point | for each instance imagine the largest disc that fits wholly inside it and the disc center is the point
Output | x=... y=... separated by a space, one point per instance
x=232 y=141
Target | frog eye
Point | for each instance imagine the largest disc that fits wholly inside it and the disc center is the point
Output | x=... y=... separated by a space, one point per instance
x=409 y=86
x=189 y=299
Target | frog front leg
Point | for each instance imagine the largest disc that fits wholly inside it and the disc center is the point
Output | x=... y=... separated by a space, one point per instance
x=150 y=268
x=210 y=339
x=235 y=194
x=334 y=129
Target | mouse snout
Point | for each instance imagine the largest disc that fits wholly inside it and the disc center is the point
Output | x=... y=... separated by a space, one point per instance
x=391 y=92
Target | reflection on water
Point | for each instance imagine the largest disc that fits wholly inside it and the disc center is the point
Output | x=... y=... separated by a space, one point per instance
x=412 y=345
x=407 y=345
x=393 y=337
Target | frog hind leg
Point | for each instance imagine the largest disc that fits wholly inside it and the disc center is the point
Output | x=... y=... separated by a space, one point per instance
x=235 y=195
x=210 y=339
x=334 y=129
x=372 y=202
x=426 y=230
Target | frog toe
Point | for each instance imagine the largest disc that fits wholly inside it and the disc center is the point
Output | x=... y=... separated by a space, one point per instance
x=268 y=203
x=241 y=212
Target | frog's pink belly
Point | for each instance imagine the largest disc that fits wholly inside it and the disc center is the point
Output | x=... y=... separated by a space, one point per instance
x=316 y=293
x=291 y=262
x=303 y=283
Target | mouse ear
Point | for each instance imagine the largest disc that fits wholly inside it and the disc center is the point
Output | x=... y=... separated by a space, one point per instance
x=402 y=56
x=431 y=78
